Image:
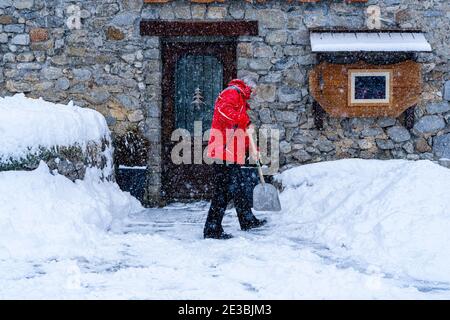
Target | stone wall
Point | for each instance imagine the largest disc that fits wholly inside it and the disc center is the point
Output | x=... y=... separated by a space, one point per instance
x=100 y=61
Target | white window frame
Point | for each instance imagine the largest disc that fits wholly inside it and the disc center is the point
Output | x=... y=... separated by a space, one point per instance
x=370 y=73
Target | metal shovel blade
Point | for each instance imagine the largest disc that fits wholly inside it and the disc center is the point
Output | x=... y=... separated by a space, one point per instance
x=265 y=198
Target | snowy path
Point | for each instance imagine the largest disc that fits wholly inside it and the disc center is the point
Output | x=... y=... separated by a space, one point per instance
x=160 y=254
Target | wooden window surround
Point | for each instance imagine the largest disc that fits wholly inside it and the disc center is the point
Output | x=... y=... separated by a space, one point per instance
x=330 y=86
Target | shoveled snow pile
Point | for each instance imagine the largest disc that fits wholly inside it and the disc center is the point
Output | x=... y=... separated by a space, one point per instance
x=28 y=124
x=45 y=215
x=394 y=215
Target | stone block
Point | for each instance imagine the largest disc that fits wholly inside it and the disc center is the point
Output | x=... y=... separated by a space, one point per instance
x=38 y=35
x=441 y=146
x=398 y=134
x=430 y=124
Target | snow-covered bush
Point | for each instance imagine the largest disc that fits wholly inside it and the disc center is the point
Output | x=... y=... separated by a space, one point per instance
x=68 y=138
x=394 y=214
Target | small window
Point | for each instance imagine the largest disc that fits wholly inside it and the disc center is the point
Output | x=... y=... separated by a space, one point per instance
x=370 y=87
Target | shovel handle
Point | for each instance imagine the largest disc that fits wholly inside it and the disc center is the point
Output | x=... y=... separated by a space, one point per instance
x=255 y=151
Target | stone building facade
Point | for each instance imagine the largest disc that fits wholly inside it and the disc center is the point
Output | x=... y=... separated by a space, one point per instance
x=92 y=52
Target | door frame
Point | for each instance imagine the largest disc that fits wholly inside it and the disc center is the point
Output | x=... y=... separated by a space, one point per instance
x=234 y=28
x=225 y=51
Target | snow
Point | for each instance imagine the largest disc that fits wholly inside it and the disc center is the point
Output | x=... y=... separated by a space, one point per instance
x=44 y=215
x=393 y=215
x=368 y=41
x=356 y=229
x=28 y=124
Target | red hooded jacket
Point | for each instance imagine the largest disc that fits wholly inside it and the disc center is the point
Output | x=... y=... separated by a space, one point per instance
x=228 y=140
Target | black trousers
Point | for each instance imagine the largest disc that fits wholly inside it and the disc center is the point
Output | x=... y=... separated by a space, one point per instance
x=228 y=185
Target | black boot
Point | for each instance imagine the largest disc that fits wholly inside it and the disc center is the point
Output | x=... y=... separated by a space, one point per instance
x=218 y=236
x=216 y=233
x=255 y=223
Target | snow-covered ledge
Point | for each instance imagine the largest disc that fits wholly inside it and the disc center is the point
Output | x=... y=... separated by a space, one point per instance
x=368 y=41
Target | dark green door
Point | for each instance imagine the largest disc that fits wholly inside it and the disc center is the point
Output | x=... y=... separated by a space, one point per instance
x=198 y=82
x=193 y=76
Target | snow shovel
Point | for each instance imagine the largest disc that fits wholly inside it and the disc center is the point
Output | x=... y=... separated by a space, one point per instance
x=265 y=195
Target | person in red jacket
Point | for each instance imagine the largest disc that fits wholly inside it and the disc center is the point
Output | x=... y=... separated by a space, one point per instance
x=228 y=146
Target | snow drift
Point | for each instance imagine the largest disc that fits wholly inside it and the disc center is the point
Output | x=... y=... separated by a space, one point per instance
x=44 y=214
x=380 y=221
x=393 y=215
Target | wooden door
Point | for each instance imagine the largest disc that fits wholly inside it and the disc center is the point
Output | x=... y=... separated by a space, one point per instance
x=193 y=76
